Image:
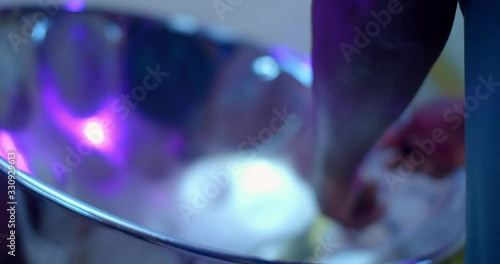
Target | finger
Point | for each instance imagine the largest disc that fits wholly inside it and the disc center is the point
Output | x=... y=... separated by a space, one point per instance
x=392 y=138
x=398 y=133
x=368 y=218
x=336 y=198
x=367 y=210
x=366 y=200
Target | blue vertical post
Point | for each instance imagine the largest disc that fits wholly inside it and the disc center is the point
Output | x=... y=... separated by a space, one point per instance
x=482 y=91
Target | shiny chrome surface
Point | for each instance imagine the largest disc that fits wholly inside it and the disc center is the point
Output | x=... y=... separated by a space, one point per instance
x=184 y=132
x=160 y=141
x=118 y=235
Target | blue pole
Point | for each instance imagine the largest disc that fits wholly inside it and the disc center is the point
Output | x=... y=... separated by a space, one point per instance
x=482 y=115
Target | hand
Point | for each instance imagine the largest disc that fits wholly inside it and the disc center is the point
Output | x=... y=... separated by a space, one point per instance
x=353 y=205
x=360 y=91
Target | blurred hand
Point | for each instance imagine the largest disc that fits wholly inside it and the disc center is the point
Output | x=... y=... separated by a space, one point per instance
x=353 y=205
x=365 y=74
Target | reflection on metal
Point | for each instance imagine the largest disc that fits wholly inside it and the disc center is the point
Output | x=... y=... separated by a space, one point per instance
x=124 y=109
x=7 y=146
x=113 y=32
x=298 y=67
x=94 y=132
x=75 y=5
x=184 y=24
x=39 y=31
x=154 y=143
x=266 y=67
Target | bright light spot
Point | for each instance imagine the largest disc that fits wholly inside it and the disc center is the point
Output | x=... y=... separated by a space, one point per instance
x=296 y=65
x=266 y=67
x=261 y=200
x=183 y=23
x=94 y=132
x=267 y=194
x=304 y=74
x=262 y=177
x=75 y=5
x=39 y=31
x=350 y=256
x=301 y=70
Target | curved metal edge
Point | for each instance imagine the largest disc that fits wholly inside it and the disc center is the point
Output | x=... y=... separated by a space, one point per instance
x=106 y=219
x=92 y=213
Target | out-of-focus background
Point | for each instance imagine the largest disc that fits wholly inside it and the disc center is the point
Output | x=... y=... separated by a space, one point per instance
x=279 y=22
x=288 y=23
x=284 y=22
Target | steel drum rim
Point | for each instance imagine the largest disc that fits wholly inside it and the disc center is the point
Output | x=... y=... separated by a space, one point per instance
x=47 y=192
x=119 y=224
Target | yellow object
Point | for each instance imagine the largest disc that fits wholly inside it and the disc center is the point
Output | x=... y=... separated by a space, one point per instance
x=449 y=79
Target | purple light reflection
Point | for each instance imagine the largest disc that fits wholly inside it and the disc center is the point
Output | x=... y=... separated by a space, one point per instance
x=94 y=131
x=7 y=145
x=99 y=130
x=298 y=66
x=75 y=5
